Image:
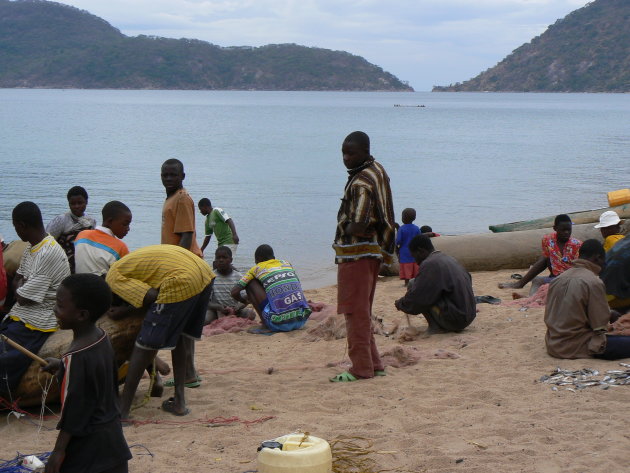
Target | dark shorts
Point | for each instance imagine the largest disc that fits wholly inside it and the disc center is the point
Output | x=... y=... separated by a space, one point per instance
x=165 y=323
x=13 y=364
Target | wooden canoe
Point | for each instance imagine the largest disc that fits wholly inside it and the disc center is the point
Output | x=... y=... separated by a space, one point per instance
x=586 y=216
x=122 y=334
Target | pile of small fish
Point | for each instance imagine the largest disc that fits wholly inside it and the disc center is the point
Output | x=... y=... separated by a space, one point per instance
x=585 y=378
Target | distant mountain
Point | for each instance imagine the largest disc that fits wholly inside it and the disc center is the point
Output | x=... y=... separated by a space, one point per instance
x=47 y=44
x=587 y=51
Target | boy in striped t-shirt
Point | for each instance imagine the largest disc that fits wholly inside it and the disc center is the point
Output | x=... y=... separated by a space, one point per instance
x=31 y=319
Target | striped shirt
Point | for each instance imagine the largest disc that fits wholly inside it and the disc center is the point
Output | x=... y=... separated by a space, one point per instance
x=175 y=271
x=367 y=199
x=43 y=267
x=96 y=250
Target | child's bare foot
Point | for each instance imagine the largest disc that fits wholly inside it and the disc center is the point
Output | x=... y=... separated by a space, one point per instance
x=516 y=295
x=161 y=366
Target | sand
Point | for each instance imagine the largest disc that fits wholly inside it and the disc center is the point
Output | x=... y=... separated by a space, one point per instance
x=472 y=403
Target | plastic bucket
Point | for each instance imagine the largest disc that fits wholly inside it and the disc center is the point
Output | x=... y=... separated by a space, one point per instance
x=297 y=455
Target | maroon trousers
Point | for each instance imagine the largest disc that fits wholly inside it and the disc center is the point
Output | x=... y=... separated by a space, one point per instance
x=356 y=283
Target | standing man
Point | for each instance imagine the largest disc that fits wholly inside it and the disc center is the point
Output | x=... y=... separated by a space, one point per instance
x=219 y=223
x=178 y=212
x=364 y=239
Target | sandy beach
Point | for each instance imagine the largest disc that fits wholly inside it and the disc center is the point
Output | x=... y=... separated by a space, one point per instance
x=471 y=403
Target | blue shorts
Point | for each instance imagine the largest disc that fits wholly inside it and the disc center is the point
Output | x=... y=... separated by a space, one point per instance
x=165 y=323
x=287 y=326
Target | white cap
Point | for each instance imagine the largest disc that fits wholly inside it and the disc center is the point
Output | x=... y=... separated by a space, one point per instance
x=608 y=219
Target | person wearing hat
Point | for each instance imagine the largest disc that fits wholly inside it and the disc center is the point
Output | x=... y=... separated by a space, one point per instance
x=610 y=226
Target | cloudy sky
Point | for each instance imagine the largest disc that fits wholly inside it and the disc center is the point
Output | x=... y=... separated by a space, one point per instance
x=424 y=42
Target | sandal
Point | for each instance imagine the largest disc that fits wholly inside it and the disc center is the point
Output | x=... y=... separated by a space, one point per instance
x=380 y=373
x=487 y=300
x=169 y=406
x=193 y=384
x=344 y=377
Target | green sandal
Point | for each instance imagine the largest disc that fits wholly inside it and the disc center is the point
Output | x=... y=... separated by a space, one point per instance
x=380 y=373
x=344 y=377
x=193 y=384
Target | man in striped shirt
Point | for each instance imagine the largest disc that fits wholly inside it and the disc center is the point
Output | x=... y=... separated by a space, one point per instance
x=364 y=239
x=174 y=287
x=31 y=319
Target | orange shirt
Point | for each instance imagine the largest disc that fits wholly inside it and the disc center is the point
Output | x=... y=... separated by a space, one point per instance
x=178 y=216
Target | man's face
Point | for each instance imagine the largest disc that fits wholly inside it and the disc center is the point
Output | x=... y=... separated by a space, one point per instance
x=563 y=230
x=120 y=224
x=222 y=261
x=172 y=177
x=77 y=204
x=353 y=155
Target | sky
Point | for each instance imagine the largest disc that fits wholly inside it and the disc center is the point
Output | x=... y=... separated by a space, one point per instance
x=422 y=42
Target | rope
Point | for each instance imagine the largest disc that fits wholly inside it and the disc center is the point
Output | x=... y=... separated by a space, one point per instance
x=15 y=465
x=210 y=422
x=352 y=455
x=147 y=396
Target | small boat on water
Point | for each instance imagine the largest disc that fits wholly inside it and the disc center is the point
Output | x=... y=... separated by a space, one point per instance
x=586 y=216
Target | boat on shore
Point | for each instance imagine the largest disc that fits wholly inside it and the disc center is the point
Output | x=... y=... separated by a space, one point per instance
x=585 y=216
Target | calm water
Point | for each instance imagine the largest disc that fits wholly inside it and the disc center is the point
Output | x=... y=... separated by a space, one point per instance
x=272 y=159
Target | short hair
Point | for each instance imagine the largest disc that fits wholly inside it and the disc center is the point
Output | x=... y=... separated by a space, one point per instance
x=204 y=202
x=561 y=219
x=592 y=248
x=421 y=242
x=426 y=229
x=113 y=209
x=360 y=138
x=409 y=213
x=223 y=249
x=174 y=161
x=77 y=191
x=89 y=292
x=28 y=213
x=264 y=253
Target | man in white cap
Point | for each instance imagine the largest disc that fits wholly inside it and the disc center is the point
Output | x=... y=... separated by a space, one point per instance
x=610 y=226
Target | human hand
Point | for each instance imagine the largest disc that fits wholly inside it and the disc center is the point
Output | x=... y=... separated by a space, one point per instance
x=150 y=297
x=236 y=239
x=56 y=458
x=118 y=312
x=52 y=367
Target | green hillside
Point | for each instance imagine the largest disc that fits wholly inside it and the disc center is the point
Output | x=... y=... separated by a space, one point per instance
x=587 y=51
x=47 y=44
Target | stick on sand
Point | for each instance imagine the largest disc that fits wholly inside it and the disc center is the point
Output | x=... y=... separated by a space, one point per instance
x=20 y=348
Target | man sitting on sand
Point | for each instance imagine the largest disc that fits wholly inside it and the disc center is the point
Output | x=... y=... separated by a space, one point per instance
x=442 y=292
x=616 y=275
x=610 y=227
x=174 y=287
x=577 y=313
x=559 y=250
x=275 y=291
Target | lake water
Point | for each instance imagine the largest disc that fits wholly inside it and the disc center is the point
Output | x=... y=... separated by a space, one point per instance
x=272 y=159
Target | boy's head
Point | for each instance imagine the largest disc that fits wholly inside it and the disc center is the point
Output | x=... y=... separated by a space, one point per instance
x=355 y=149
x=27 y=218
x=420 y=248
x=223 y=259
x=117 y=217
x=77 y=200
x=609 y=223
x=205 y=206
x=408 y=215
x=563 y=226
x=81 y=299
x=426 y=229
x=593 y=251
x=172 y=175
x=263 y=253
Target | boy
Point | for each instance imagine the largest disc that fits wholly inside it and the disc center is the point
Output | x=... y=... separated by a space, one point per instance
x=559 y=250
x=221 y=302
x=31 y=319
x=173 y=286
x=364 y=239
x=408 y=266
x=219 y=222
x=64 y=228
x=610 y=227
x=275 y=292
x=428 y=231
x=178 y=212
x=90 y=433
x=96 y=250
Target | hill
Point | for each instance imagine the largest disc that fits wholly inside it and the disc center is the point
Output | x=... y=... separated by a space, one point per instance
x=47 y=44
x=587 y=51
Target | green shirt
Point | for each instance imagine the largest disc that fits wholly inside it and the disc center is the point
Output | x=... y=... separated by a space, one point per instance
x=216 y=223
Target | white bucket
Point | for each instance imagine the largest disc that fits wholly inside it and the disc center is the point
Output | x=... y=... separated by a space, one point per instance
x=298 y=455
